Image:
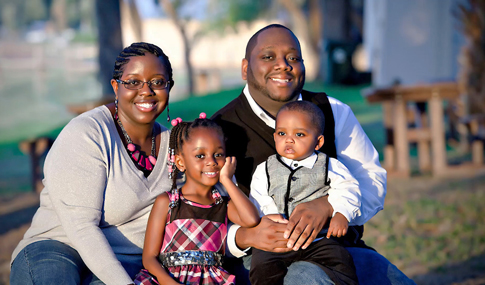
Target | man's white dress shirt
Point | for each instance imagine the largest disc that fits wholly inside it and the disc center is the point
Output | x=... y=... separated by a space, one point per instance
x=354 y=150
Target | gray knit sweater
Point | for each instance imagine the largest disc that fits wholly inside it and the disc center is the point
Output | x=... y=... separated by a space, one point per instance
x=94 y=198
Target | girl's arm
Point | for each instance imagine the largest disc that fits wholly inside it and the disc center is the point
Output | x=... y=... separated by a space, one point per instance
x=154 y=239
x=240 y=210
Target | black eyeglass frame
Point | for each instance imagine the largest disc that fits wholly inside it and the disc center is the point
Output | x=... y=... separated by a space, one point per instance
x=150 y=84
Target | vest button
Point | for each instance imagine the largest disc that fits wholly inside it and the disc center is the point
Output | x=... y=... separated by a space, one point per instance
x=291 y=199
x=294 y=178
x=295 y=165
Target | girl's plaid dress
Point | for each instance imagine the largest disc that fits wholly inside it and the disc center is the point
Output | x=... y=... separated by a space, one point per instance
x=194 y=227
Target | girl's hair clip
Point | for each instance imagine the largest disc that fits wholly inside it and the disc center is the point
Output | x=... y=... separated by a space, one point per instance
x=176 y=121
x=202 y=115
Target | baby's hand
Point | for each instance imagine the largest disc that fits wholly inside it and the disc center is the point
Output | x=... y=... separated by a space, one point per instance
x=338 y=226
x=229 y=168
x=277 y=218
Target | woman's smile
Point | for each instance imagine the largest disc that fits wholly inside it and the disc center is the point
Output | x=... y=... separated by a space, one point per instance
x=146 y=106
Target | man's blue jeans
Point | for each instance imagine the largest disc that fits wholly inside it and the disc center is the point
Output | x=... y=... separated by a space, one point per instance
x=52 y=262
x=372 y=268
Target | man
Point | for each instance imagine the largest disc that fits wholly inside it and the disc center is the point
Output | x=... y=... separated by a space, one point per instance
x=275 y=74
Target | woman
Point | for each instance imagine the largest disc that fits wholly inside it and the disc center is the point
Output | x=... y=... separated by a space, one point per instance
x=102 y=176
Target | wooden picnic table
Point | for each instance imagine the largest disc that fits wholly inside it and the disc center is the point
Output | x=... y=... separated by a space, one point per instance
x=430 y=138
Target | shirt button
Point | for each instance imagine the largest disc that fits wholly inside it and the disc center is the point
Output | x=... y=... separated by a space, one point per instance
x=295 y=165
x=293 y=178
x=290 y=200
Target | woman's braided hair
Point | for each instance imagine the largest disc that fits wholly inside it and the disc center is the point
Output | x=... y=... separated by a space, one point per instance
x=140 y=49
x=181 y=134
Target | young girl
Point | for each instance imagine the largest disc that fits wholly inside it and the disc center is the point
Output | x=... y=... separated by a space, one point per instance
x=187 y=227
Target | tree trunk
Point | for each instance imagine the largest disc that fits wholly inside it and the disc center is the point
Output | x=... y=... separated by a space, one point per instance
x=58 y=14
x=303 y=30
x=188 y=61
x=171 y=11
x=109 y=41
x=130 y=15
x=316 y=25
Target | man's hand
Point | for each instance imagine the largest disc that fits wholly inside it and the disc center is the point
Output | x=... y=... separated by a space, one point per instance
x=338 y=226
x=267 y=236
x=306 y=221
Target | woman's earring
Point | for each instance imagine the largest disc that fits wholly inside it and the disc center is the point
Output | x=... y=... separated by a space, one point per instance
x=168 y=115
x=116 y=109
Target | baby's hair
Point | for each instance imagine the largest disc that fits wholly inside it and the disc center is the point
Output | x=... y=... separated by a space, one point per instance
x=140 y=49
x=181 y=134
x=317 y=118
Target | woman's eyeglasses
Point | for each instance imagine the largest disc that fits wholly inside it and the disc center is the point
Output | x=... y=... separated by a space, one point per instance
x=133 y=84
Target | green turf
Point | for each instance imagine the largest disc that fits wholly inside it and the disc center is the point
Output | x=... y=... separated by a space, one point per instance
x=431 y=224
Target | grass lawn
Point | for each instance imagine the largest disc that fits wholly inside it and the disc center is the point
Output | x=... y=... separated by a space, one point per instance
x=433 y=228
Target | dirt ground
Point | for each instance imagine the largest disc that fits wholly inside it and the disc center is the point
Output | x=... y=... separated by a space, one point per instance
x=16 y=213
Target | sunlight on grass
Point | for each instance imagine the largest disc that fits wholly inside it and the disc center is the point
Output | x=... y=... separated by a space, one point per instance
x=432 y=229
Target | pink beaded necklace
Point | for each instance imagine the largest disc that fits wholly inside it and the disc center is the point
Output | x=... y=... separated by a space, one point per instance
x=146 y=163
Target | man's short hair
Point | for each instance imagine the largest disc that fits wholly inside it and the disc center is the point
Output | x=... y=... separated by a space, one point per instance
x=254 y=39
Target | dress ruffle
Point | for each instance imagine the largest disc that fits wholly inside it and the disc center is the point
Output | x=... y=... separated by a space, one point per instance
x=198 y=274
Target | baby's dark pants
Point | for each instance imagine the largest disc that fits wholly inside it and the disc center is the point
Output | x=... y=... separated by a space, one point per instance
x=329 y=254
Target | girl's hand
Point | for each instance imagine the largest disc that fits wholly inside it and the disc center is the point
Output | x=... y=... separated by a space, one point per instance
x=240 y=210
x=229 y=168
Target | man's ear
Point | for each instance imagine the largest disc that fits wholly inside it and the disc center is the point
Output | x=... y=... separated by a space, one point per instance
x=320 y=141
x=179 y=162
x=244 y=69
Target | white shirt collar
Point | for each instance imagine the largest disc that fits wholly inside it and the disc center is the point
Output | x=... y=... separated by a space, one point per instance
x=258 y=111
x=308 y=162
